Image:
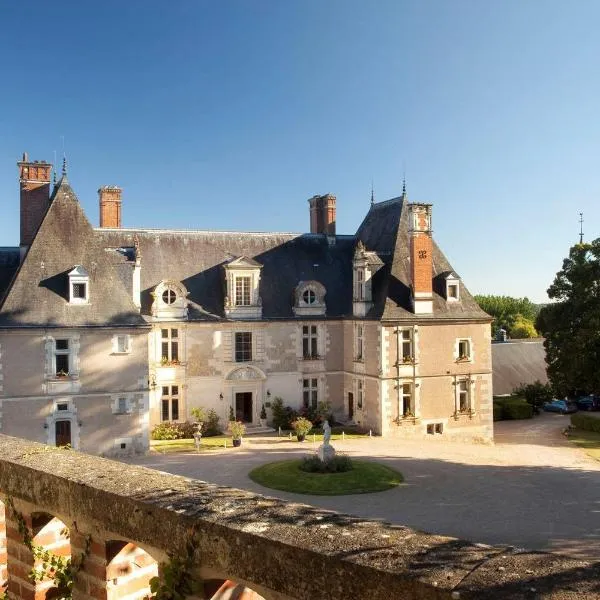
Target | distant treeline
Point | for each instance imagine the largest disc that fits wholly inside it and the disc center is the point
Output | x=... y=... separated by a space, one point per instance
x=516 y=315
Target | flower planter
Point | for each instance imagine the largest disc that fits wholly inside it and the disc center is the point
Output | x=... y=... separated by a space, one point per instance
x=300 y=437
x=237 y=443
x=263 y=422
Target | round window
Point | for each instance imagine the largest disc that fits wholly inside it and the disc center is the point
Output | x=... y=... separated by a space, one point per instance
x=309 y=297
x=169 y=296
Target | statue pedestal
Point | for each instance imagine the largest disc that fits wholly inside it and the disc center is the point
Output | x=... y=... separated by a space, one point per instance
x=326 y=452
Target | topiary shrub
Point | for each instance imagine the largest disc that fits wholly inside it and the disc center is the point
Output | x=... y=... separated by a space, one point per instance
x=340 y=463
x=165 y=431
x=585 y=422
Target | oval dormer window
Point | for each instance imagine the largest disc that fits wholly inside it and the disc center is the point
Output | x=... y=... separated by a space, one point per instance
x=309 y=296
x=169 y=296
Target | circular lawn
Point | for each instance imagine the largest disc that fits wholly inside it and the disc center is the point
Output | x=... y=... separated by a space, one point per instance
x=363 y=478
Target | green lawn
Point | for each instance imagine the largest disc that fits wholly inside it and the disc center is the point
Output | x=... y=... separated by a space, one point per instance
x=208 y=443
x=365 y=477
x=587 y=440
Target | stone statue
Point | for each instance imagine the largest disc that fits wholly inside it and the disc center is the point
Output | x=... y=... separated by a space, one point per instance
x=326 y=451
x=326 y=433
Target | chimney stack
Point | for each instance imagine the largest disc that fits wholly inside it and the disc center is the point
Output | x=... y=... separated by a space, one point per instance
x=34 y=186
x=110 y=206
x=421 y=260
x=322 y=214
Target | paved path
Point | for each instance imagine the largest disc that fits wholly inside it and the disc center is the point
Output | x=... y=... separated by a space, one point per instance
x=531 y=489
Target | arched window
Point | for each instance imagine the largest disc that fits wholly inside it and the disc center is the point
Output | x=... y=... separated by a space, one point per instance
x=309 y=299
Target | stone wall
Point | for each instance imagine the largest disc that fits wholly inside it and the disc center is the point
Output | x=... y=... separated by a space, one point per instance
x=126 y=519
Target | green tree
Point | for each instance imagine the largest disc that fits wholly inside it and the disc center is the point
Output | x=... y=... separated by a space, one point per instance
x=522 y=328
x=571 y=324
x=510 y=313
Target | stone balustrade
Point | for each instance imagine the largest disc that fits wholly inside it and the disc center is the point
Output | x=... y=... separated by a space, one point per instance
x=130 y=523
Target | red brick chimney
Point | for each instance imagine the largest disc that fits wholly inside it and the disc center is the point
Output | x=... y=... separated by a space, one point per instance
x=34 y=184
x=421 y=260
x=322 y=214
x=110 y=206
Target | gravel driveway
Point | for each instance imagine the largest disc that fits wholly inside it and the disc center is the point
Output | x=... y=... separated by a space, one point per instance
x=531 y=489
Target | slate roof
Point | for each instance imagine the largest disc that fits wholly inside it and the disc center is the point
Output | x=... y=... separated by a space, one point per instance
x=39 y=293
x=9 y=263
x=197 y=259
x=385 y=230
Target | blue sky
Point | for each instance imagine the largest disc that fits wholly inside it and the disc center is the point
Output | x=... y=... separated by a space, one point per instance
x=231 y=114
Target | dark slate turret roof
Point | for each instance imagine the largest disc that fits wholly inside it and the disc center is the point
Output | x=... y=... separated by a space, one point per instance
x=197 y=259
x=385 y=230
x=39 y=292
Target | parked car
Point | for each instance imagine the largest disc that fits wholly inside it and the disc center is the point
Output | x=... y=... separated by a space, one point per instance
x=590 y=402
x=560 y=406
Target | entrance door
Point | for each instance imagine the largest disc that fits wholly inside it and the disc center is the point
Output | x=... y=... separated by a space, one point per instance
x=350 y=405
x=243 y=406
x=63 y=433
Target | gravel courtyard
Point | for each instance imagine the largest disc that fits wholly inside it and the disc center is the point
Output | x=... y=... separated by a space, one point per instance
x=530 y=489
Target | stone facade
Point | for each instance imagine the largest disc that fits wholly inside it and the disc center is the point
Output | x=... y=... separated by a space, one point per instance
x=107 y=332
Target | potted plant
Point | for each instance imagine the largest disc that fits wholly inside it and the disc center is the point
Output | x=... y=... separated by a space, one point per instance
x=62 y=374
x=237 y=430
x=301 y=426
x=263 y=416
x=199 y=414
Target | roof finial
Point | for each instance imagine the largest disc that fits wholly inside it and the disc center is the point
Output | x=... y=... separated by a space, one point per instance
x=581 y=228
x=372 y=194
x=64 y=166
x=404 y=186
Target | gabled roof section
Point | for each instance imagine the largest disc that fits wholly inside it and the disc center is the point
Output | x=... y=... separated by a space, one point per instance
x=385 y=231
x=79 y=271
x=243 y=262
x=38 y=296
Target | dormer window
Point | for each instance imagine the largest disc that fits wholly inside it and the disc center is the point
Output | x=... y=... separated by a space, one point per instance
x=364 y=265
x=309 y=299
x=452 y=287
x=242 y=279
x=79 y=281
x=170 y=301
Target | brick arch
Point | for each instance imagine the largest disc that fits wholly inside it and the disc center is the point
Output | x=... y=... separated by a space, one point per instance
x=129 y=570
x=51 y=534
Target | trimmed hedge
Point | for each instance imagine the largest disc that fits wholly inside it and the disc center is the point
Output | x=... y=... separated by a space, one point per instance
x=585 y=422
x=512 y=408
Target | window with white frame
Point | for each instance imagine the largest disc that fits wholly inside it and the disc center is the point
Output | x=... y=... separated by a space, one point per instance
x=62 y=357
x=406 y=400
x=121 y=344
x=243 y=290
x=310 y=392
x=359 y=342
x=359 y=393
x=169 y=296
x=169 y=403
x=243 y=346
x=463 y=349
x=78 y=286
x=463 y=396
x=359 y=291
x=169 y=346
x=406 y=345
x=310 y=342
x=309 y=297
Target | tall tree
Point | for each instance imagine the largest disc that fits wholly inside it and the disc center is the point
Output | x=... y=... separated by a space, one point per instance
x=571 y=324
